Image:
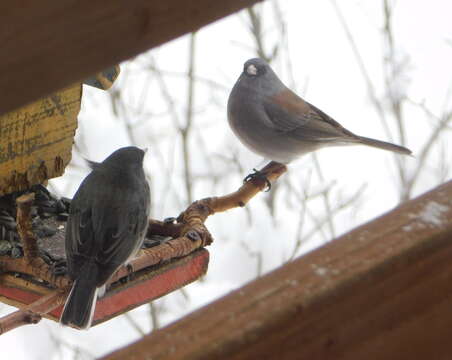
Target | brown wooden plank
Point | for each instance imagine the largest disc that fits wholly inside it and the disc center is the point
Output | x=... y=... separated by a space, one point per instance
x=382 y=291
x=47 y=45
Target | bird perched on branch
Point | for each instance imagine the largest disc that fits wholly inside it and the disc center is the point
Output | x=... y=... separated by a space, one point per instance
x=106 y=227
x=277 y=124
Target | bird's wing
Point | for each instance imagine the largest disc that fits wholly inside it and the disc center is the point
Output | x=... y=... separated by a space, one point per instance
x=79 y=233
x=123 y=239
x=292 y=115
x=107 y=229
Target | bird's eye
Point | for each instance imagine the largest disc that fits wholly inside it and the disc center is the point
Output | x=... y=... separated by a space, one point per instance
x=251 y=70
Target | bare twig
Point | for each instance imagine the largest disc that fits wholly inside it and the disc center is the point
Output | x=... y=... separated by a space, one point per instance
x=79 y=352
x=199 y=79
x=256 y=30
x=365 y=73
x=254 y=254
x=42 y=271
x=155 y=322
x=392 y=70
x=426 y=148
x=134 y=324
x=31 y=263
x=31 y=314
x=16 y=319
x=24 y=227
x=326 y=198
x=341 y=206
x=240 y=198
x=185 y=130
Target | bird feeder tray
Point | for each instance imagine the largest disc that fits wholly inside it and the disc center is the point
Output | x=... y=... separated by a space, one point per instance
x=36 y=140
x=144 y=286
x=30 y=275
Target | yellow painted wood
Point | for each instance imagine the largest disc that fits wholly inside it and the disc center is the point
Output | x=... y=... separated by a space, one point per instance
x=36 y=140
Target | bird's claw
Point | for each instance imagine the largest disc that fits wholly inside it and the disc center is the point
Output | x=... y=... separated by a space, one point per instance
x=260 y=175
x=170 y=220
x=59 y=267
x=129 y=268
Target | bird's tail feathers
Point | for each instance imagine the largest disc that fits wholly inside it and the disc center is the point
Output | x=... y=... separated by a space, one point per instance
x=80 y=304
x=383 y=145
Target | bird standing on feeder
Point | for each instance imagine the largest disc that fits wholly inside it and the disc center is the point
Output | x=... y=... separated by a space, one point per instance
x=277 y=124
x=106 y=227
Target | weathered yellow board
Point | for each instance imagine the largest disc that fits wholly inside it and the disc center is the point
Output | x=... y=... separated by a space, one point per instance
x=36 y=140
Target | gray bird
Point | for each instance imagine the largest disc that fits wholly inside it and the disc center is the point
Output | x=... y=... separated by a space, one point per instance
x=106 y=227
x=274 y=122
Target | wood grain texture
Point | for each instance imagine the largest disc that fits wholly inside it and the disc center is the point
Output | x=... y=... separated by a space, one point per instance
x=47 y=45
x=382 y=291
x=36 y=140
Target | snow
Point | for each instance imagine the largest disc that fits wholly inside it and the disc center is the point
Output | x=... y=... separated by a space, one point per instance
x=320 y=270
x=432 y=213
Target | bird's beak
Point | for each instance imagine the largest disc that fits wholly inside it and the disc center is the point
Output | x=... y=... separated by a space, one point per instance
x=251 y=70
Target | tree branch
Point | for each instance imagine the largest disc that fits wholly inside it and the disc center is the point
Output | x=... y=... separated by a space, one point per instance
x=31 y=314
x=24 y=227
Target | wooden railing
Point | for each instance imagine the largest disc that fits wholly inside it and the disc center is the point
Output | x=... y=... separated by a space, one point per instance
x=47 y=45
x=382 y=291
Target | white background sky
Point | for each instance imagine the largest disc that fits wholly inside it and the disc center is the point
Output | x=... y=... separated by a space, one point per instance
x=326 y=74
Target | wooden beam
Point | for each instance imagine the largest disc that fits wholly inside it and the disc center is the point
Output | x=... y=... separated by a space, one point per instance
x=47 y=45
x=382 y=291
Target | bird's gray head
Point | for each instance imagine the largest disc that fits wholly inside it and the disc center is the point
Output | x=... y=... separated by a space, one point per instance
x=258 y=75
x=255 y=68
x=125 y=157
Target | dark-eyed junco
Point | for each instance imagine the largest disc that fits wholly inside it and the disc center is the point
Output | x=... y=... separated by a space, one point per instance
x=277 y=124
x=107 y=223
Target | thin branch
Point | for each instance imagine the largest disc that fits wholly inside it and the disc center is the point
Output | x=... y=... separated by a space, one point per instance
x=16 y=319
x=334 y=211
x=422 y=158
x=254 y=254
x=325 y=197
x=134 y=324
x=392 y=71
x=32 y=313
x=365 y=73
x=185 y=130
x=199 y=79
x=256 y=30
x=24 y=227
x=79 y=352
x=164 y=91
x=153 y=311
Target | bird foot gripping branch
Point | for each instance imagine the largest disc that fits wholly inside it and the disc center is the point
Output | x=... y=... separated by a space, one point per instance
x=258 y=174
x=173 y=256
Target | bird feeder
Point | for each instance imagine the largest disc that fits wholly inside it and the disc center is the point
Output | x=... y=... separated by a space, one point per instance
x=36 y=140
x=35 y=145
